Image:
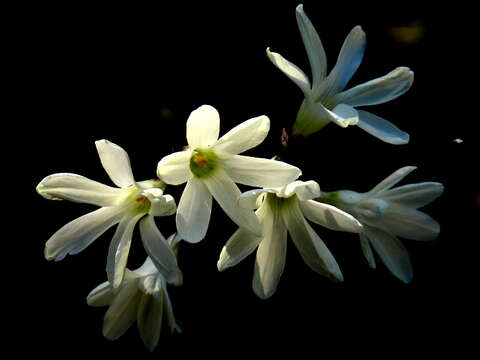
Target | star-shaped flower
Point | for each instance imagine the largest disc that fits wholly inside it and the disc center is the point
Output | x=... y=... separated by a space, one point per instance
x=142 y=296
x=325 y=98
x=387 y=213
x=126 y=205
x=211 y=167
x=281 y=211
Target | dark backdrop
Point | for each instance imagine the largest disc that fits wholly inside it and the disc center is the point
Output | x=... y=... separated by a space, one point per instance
x=133 y=73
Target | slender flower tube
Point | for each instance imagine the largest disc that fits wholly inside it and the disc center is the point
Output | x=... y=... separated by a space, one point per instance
x=387 y=213
x=126 y=205
x=281 y=211
x=211 y=167
x=142 y=296
x=325 y=98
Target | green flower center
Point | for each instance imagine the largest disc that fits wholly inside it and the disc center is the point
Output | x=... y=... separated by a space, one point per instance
x=203 y=162
x=142 y=204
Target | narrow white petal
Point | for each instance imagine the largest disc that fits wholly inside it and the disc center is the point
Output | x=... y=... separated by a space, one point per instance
x=159 y=251
x=160 y=205
x=271 y=255
x=313 y=46
x=194 y=209
x=224 y=190
x=119 y=249
x=174 y=169
x=123 y=311
x=392 y=252
x=293 y=72
x=172 y=323
x=260 y=172
x=380 y=90
x=381 y=128
x=409 y=223
x=329 y=216
x=244 y=136
x=149 y=319
x=203 y=127
x=79 y=233
x=241 y=244
x=349 y=59
x=390 y=181
x=116 y=163
x=77 y=188
x=343 y=115
x=305 y=190
x=102 y=295
x=312 y=249
x=414 y=195
x=367 y=251
x=253 y=199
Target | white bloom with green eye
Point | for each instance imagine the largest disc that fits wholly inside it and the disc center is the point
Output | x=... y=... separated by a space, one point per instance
x=211 y=167
x=281 y=211
x=387 y=213
x=141 y=297
x=126 y=205
x=325 y=98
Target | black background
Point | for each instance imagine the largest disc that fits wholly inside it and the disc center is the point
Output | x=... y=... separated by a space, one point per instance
x=133 y=73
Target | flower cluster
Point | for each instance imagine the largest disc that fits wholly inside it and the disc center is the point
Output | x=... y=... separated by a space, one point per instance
x=279 y=205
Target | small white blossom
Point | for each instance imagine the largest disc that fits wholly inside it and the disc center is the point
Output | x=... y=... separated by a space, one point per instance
x=142 y=296
x=282 y=210
x=325 y=98
x=124 y=206
x=387 y=213
x=211 y=167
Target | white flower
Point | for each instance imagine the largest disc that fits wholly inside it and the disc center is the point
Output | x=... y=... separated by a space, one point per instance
x=283 y=210
x=142 y=296
x=387 y=213
x=212 y=166
x=125 y=206
x=325 y=99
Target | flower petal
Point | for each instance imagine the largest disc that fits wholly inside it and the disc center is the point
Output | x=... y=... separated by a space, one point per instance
x=380 y=90
x=253 y=199
x=149 y=319
x=119 y=249
x=203 y=127
x=260 y=172
x=116 y=163
x=390 y=181
x=414 y=195
x=241 y=244
x=381 y=128
x=224 y=190
x=392 y=252
x=244 y=136
x=367 y=251
x=174 y=169
x=123 y=311
x=75 y=236
x=172 y=323
x=271 y=255
x=329 y=216
x=313 y=46
x=160 y=205
x=194 y=209
x=292 y=71
x=102 y=295
x=77 y=188
x=158 y=250
x=343 y=115
x=348 y=61
x=312 y=249
x=409 y=223
x=305 y=190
